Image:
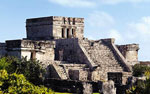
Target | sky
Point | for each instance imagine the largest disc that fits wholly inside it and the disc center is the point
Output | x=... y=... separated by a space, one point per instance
x=128 y=21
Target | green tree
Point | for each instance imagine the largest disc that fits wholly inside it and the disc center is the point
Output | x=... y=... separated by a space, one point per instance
x=4 y=63
x=17 y=84
x=142 y=87
x=31 y=69
x=139 y=70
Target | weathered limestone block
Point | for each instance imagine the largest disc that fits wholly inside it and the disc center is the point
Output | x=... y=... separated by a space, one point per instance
x=87 y=88
x=40 y=50
x=96 y=76
x=130 y=52
x=108 y=87
x=83 y=75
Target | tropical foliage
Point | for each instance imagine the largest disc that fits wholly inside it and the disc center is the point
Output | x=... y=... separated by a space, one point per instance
x=142 y=86
x=13 y=74
x=31 y=69
x=17 y=84
x=139 y=70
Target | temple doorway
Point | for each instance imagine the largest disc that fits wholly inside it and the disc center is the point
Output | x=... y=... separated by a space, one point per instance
x=116 y=77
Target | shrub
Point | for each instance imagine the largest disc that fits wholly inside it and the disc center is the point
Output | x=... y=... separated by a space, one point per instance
x=142 y=87
x=17 y=84
x=31 y=69
x=4 y=63
x=139 y=70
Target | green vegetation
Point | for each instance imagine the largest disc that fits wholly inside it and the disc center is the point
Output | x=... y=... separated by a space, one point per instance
x=142 y=87
x=19 y=76
x=31 y=69
x=139 y=70
x=17 y=84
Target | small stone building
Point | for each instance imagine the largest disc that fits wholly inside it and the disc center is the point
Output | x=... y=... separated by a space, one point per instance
x=59 y=43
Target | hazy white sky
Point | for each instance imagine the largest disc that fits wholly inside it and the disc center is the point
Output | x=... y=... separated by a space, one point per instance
x=128 y=21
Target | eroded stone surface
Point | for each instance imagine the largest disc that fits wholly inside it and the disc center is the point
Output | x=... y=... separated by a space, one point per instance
x=109 y=88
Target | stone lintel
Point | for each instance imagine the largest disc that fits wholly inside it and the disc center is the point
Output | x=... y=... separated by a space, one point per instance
x=30 y=44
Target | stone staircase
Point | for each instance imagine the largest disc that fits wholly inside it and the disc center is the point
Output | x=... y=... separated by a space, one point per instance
x=60 y=70
x=89 y=61
x=124 y=62
x=100 y=54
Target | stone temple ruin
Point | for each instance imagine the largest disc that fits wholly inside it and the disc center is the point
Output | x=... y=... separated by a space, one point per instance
x=59 y=43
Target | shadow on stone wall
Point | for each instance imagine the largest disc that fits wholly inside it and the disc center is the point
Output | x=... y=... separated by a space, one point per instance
x=70 y=86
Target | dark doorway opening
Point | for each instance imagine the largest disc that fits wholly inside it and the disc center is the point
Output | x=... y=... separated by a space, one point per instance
x=63 y=33
x=73 y=33
x=68 y=31
x=33 y=55
x=74 y=74
x=116 y=77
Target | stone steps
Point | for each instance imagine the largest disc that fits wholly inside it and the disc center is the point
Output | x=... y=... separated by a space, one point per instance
x=106 y=53
x=61 y=71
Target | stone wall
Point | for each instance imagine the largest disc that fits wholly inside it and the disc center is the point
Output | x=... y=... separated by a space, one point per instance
x=54 y=27
x=76 y=71
x=41 y=50
x=66 y=50
x=130 y=52
x=2 y=49
x=40 y=28
x=70 y=50
x=63 y=70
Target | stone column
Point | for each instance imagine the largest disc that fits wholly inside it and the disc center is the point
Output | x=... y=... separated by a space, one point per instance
x=70 y=33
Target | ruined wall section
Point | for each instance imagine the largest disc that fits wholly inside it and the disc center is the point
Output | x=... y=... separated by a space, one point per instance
x=56 y=71
x=2 y=49
x=13 y=48
x=39 y=28
x=40 y=50
x=130 y=52
x=76 y=71
x=66 y=50
x=69 y=50
x=63 y=70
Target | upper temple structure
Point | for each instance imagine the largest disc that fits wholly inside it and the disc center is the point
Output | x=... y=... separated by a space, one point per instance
x=54 y=28
x=59 y=43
